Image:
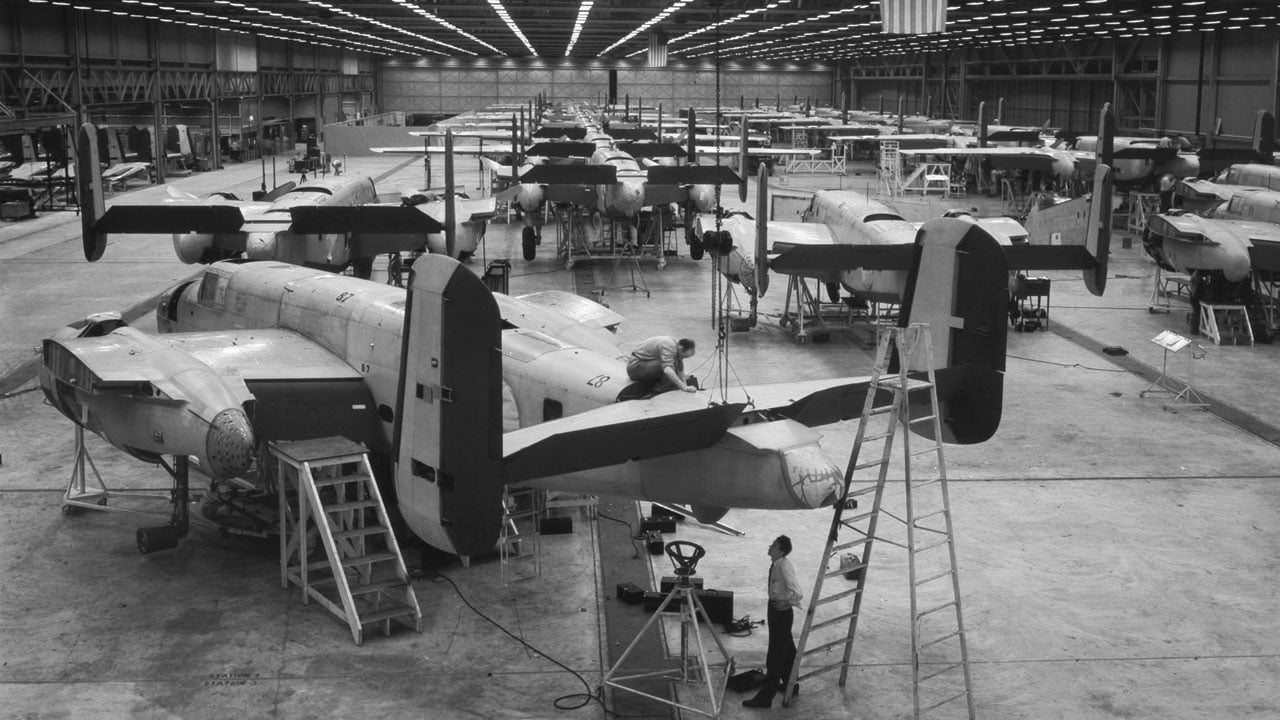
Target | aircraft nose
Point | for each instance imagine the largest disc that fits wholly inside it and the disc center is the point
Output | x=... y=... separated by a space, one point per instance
x=229 y=444
x=260 y=246
x=814 y=480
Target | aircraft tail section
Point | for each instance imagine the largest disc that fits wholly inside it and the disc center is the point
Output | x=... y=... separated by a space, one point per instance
x=93 y=205
x=1075 y=234
x=1264 y=136
x=958 y=284
x=448 y=435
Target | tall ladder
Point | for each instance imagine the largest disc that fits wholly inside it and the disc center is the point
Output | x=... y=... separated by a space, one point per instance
x=362 y=579
x=520 y=537
x=931 y=558
x=890 y=169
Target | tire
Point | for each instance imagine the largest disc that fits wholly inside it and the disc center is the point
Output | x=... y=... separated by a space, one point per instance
x=696 y=249
x=833 y=292
x=529 y=243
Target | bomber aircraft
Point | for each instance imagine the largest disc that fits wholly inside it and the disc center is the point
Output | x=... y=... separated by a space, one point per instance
x=458 y=392
x=329 y=223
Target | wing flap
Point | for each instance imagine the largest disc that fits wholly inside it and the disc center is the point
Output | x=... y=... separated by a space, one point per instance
x=262 y=355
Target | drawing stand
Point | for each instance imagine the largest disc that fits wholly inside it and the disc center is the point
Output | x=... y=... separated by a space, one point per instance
x=694 y=669
x=1187 y=397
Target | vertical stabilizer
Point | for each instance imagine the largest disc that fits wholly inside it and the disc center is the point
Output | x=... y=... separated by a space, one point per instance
x=89 y=184
x=762 y=232
x=982 y=124
x=959 y=285
x=449 y=430
x=450 y=201
x=1264 y=136
x=1097 y=239
x=743 y=171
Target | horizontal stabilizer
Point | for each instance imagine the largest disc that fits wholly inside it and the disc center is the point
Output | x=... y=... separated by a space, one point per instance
x=808 y=258
x=371 y=219
x=175 y=218
x=1020 y=136
x=652 y=149
x=1049 y=257
x=694 y=175
x=632 y=134
x=561 y=149
x=1146 y=152
x=612 y=435
x=560 y=131
x=571 y=175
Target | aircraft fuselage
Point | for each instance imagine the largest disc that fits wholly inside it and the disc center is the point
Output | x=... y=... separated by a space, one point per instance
x=543 y=378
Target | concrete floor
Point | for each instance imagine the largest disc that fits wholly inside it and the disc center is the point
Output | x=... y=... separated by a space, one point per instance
x=1116 y=558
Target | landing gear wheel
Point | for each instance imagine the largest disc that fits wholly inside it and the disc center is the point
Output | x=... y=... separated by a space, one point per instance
x=833 y=292
x=696 y=249
x=154 y=539
x=529 y=243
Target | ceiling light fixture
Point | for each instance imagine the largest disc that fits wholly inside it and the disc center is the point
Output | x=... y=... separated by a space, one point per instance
x=501 y=10
x=583 y=10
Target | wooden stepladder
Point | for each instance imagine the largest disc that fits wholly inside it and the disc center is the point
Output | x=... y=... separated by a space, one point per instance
x=327 y=487
x=940 y=656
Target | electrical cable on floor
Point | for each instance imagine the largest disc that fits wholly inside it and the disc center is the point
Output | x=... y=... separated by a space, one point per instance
x=587 y=696
x=1068 y=365
x=16 y=393
x=630 y=533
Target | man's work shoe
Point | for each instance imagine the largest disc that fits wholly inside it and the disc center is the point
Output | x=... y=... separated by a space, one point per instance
x=757 y=702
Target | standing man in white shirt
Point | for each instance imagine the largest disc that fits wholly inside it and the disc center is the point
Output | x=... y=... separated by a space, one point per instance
x=784 y=597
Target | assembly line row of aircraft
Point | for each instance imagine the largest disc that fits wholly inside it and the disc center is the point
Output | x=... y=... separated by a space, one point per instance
x=458 y=392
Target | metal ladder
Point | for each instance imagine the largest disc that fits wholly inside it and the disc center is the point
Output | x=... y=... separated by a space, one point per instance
x=362 y=579
x=520 y=537
x=929 y=563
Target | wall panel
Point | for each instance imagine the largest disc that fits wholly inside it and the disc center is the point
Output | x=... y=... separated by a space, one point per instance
x=465 y=87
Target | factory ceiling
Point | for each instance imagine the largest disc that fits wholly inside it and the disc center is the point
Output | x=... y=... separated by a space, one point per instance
x=802 y=31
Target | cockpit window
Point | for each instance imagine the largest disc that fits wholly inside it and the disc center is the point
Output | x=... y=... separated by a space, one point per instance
x=213 y=289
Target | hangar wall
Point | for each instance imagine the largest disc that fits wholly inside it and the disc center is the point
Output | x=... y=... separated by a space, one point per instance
x=450 y=87
x=1179 y=83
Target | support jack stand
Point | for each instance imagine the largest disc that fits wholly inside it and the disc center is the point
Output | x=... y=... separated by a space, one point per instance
x=693 y=669
x=1187 y=397
x=80 y=494
x=633 y=266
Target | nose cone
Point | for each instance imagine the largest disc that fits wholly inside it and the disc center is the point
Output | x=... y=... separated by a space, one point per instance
x=815 y=480
x=229 y=444
x=630 y=197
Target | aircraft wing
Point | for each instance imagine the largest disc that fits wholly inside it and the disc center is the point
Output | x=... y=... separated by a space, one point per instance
x=811 y=248
x=299 y=389
x=635 y=430
x=1213 y=230
x=478 y=208
x=438 y=149
x=1018 y=158
x=571 y=305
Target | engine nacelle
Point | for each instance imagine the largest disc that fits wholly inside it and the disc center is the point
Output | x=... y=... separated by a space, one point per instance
x=193 y=248
x=262 y=246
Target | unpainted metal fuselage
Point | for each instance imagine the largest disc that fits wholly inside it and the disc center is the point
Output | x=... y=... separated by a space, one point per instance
x=767 y=464
x=856 y=220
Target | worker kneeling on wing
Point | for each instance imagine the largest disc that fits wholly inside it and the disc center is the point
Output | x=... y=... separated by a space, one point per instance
x=659 y=360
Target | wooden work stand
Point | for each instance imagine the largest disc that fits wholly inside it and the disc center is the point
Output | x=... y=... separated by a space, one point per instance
x=1226 y=322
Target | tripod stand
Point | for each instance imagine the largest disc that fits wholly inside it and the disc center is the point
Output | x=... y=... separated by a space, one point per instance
x=693 y=669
